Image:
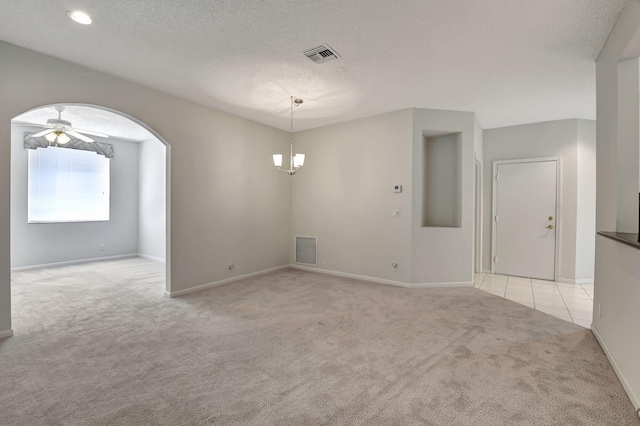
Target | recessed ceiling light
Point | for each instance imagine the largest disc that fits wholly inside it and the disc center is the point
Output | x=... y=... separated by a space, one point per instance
x=80 y=17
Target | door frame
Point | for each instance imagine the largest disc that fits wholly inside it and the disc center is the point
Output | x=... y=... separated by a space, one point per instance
x=494 y=228
x=478 y=212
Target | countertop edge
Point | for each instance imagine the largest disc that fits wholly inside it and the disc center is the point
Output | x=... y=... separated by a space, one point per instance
x=622 y=237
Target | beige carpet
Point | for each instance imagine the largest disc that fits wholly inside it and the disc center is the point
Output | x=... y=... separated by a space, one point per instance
x=99 y=344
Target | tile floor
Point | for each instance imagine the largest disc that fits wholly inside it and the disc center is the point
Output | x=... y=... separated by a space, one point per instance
x=570 y=302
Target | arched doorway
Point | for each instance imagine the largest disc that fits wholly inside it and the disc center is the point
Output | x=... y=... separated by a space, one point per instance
x=139 y=193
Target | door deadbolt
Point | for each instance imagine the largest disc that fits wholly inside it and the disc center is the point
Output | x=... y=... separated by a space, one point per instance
x=550 y=217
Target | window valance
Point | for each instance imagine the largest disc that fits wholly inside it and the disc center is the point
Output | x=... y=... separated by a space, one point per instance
x=100 y=148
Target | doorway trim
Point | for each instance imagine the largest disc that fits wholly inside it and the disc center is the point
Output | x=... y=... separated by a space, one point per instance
x=494 y=184
x=478 y=213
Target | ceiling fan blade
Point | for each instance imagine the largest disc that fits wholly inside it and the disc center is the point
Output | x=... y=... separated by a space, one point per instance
x=24 y=123
x=42 y=133
x=91 y=132
x=78 y=136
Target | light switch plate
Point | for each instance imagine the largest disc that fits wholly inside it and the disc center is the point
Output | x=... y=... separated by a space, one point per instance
x=395 y=213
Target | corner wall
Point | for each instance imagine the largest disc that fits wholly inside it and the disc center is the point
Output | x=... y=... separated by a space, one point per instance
x=344 y=196
x=627 y=145
x=152 y=200
x=443 y=256
x=616 y=290
x=586 y=202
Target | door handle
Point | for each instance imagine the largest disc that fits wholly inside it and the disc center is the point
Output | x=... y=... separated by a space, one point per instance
x=549 y=226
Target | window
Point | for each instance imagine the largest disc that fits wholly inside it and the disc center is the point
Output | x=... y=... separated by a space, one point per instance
x=67 y=185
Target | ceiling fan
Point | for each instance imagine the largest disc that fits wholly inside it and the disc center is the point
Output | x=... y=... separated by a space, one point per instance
x=59 y=130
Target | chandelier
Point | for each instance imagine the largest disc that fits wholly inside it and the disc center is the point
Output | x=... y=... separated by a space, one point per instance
x=295 y=161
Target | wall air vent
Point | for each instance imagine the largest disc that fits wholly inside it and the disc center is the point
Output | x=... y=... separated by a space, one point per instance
x=307 y=251
x=321 y=54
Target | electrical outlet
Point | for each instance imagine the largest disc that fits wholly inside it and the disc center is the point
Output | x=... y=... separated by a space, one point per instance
x=599 y=310
x=231 y=264
x=394 y=266
x=101 y=247
x=324 y=265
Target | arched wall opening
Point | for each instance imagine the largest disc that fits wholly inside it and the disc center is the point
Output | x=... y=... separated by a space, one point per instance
x=223 y=189
x=139 y=223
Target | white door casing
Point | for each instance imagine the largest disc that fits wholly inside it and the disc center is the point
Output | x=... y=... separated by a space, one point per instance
x=478 y=209
x=525 y=215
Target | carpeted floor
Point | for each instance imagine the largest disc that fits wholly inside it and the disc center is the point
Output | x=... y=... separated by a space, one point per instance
x=99 y=344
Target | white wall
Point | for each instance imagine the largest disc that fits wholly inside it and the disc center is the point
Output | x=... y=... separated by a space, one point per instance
x=627 y=147
x=344 y=195
x=227 y=200
x=618 y=293
x=443 y=255
x=549 y=139
x=616 y=275
x=152 y=200
x=44 y=243
x=586 y=202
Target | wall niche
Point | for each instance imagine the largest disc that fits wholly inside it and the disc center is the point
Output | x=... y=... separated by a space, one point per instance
x=441 y=179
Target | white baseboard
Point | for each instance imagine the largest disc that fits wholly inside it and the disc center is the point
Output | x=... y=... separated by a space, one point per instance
x=352 y=276
x=625 y=384
x=380 y=280
x=6 y=333
x=73 y=262
x=223 y=282
x=321 y=271
x=155 y=259
x=449 y=284
x=578 y=281
x=486 y=271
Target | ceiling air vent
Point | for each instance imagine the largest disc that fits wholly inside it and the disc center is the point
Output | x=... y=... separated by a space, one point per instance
x=321 y=54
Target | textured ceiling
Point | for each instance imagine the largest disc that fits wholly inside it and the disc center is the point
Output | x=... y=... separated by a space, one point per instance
x=510 y=61
x=89 y=118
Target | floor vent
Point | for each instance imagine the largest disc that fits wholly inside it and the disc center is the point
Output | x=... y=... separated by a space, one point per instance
x=307 y=251
x=321 y=54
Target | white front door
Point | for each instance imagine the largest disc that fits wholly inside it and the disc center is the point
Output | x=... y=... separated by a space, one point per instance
x=525 y=218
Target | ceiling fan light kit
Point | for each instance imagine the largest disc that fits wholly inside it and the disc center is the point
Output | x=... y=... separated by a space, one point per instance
x=58 y=137
x=59 y=131
x=296 y=161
